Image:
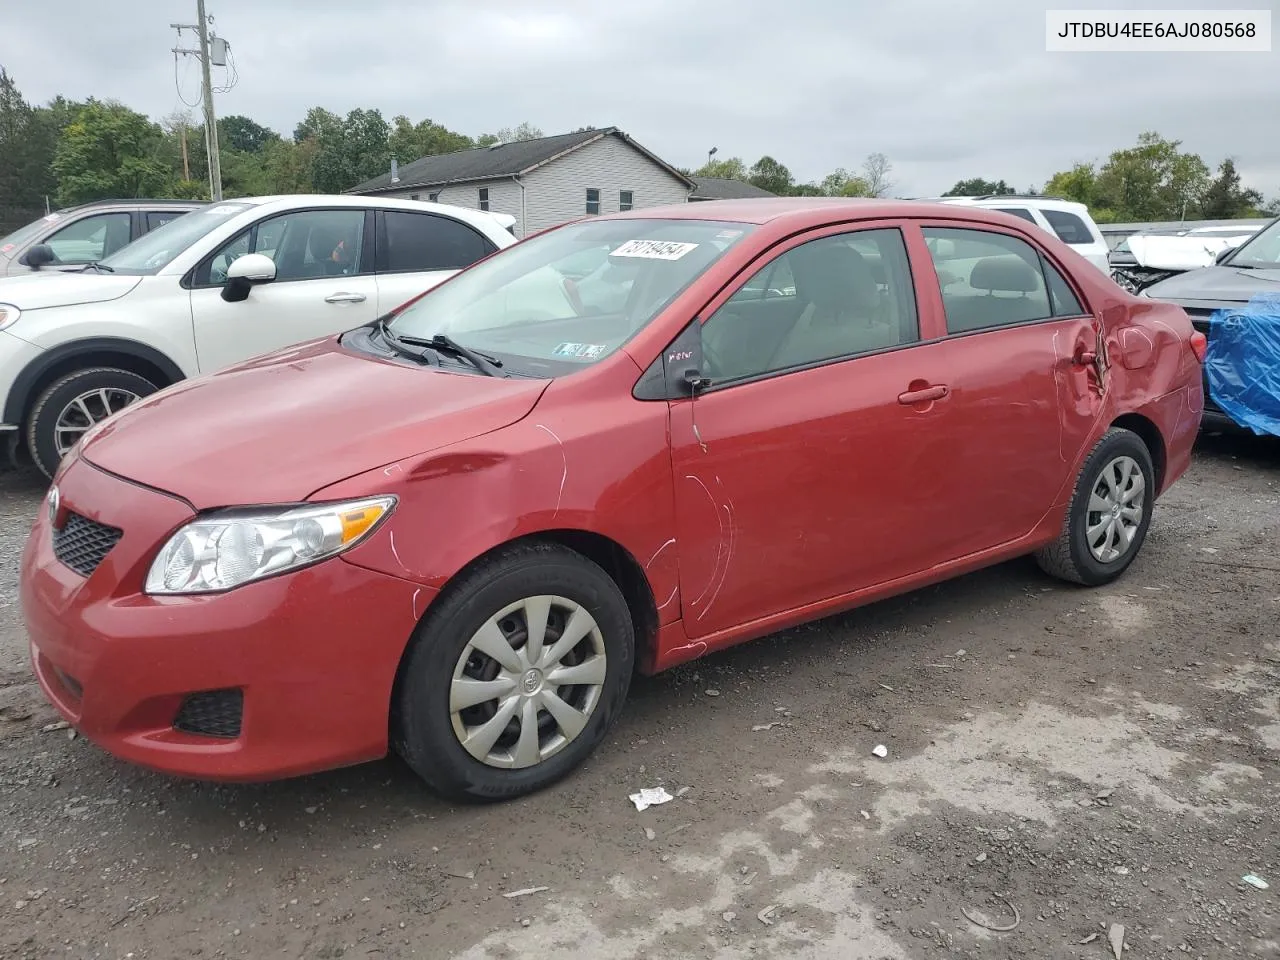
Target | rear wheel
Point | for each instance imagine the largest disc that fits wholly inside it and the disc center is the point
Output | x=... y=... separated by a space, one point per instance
x=516 y=676
x=1110 y=512
x=69 y=406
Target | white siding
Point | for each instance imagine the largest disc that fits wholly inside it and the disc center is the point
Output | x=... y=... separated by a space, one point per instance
x=558 y=191
x=504 y=197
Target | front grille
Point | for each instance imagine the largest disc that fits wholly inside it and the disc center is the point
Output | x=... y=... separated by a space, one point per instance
x=82 y=543
x=211 y=713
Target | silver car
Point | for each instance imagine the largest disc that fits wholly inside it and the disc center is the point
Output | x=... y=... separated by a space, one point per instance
x=70 y=238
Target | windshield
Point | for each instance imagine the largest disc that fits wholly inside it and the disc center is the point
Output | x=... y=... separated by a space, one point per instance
x=153 y=252
x=574 y=295
x=1260 y=250
x=10 y=245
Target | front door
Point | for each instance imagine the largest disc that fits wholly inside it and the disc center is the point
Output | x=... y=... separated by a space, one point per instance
x=1025 y=393
x=811 y=467
x=324 y=284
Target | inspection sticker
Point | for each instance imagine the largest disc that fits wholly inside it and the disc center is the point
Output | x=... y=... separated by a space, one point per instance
x=654 y=249
x=579 y=351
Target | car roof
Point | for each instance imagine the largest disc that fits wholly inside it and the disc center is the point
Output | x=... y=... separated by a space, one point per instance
x=287 y=201
x=805 y=212
x=1002 y=200
x=138 y=202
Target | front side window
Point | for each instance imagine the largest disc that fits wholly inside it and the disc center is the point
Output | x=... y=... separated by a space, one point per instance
x=626 y=200
x=827 y=299
x=484 y=198
x=305 y=245
x=1022 y=212
x=593 y=201
x=1069 y=228
x=90 y=239
x=424 y=241
x=995 y=280
x=572 y=296
x=151 y=253
x=1261 y=250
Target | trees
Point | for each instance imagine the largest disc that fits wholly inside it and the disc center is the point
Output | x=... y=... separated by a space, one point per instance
x=768 y=174
x=875 y=171
x=348 y=150
x=526 y=131
x=409 y=141
x=841 y=183
x=107 y=151
x=1225 y=199
x=729 y=169
x=978 y=187
x=238 y=132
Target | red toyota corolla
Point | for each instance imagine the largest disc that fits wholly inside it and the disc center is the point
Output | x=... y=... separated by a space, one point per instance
x=618 y=445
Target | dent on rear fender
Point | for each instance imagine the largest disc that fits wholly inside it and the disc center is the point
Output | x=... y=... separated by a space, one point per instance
x=1149 y=356
x=542 y=474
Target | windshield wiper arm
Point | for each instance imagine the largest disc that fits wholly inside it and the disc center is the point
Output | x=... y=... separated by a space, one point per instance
x=403 y=347
x=100 y=267
x=489 y=366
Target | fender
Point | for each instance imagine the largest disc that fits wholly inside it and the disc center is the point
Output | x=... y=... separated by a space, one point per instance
x=23 y=387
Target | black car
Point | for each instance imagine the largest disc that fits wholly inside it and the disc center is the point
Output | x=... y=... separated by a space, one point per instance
x=1249 y=269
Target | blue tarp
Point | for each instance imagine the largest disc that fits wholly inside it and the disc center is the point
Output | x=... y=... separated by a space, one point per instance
x=1243 y=363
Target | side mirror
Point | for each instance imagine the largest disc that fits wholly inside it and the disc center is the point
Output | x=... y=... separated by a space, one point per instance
x=40 y=255
x=1224 y=254
x=245 y=273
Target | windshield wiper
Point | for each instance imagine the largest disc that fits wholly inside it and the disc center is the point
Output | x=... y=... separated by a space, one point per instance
x=100 y=267
x=489 y=366
x=403 y=347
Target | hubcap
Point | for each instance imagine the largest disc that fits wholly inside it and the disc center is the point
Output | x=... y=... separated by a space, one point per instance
x=527 y=682
x=1115 y=511
x=86 y=410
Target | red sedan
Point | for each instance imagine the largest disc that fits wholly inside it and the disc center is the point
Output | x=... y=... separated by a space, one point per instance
x=617 y=445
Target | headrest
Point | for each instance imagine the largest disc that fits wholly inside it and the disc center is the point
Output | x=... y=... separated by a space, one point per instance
x=1006 y=274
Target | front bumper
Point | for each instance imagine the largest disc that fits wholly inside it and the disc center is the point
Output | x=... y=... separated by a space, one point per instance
x=313 y=653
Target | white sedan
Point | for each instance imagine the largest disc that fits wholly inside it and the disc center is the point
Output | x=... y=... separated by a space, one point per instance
x=217 y=286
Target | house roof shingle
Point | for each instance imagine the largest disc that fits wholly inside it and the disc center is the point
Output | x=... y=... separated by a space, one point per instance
x=722 y=188
x=496 y=162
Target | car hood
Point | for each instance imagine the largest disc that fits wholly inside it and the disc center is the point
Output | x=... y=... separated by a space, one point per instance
x=1218 y=283
x=53 y=288
x=278 y=428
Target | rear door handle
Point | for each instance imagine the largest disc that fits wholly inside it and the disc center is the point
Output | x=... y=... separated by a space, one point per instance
x=926 y=395
x=345 y=298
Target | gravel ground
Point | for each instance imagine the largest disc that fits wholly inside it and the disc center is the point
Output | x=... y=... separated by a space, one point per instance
x=1060 y=760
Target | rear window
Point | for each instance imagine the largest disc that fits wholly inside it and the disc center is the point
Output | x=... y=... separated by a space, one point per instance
x=1017 y=212
x=1069 y=228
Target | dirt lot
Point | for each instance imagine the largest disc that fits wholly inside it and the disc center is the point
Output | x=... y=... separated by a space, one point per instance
x=1087 y=758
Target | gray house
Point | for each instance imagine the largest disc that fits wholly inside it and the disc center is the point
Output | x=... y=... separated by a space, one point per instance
x=541 y=182
x=723 y=188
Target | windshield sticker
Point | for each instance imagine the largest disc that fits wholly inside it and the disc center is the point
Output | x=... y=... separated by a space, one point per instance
x=728 y=234
x=579 y=351
x=654 y=249
x=7 y=247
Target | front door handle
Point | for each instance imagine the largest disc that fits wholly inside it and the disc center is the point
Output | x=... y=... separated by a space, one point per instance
x=345 y=298
x=924 y=395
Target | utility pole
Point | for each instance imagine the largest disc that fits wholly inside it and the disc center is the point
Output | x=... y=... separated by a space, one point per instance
x=201 y=27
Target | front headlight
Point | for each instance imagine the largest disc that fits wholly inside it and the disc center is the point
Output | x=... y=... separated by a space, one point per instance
x=9 y=315
x=233 y=547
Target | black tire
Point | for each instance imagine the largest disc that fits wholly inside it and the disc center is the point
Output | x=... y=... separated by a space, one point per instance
x=41 y=434
x=422 y=728
x=1070 y=557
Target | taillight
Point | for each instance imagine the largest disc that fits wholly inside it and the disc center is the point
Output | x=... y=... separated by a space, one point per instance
x=1199 y=345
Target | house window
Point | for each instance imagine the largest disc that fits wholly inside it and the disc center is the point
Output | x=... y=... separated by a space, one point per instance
x=484 y=198
x=434 y=196
x=593 y=200
x=415 y=196
x=625 y=200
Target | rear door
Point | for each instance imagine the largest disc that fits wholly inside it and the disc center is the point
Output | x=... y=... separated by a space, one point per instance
x=1025 y=383
x=324 y=284
x=417 y=250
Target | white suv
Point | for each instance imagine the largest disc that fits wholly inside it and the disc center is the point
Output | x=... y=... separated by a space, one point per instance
x=1065 y=219
x=234 y=280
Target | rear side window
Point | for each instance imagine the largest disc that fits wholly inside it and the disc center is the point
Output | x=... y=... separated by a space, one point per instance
x=1069 y=228
x=424 y=241
x=157 y=218
x=992 y=280
x=1022 y=212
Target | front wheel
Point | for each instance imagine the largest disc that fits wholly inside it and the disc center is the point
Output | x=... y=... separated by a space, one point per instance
x=516 y=676
x=72 y=404
x=1110 y=512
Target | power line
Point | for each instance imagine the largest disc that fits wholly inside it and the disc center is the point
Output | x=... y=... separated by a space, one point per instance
x=201 y=29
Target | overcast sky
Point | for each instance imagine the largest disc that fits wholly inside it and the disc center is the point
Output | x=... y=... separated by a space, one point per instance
x=947 y=89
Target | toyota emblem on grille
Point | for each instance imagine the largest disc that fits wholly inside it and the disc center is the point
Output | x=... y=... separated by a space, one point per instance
x=53 y=500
